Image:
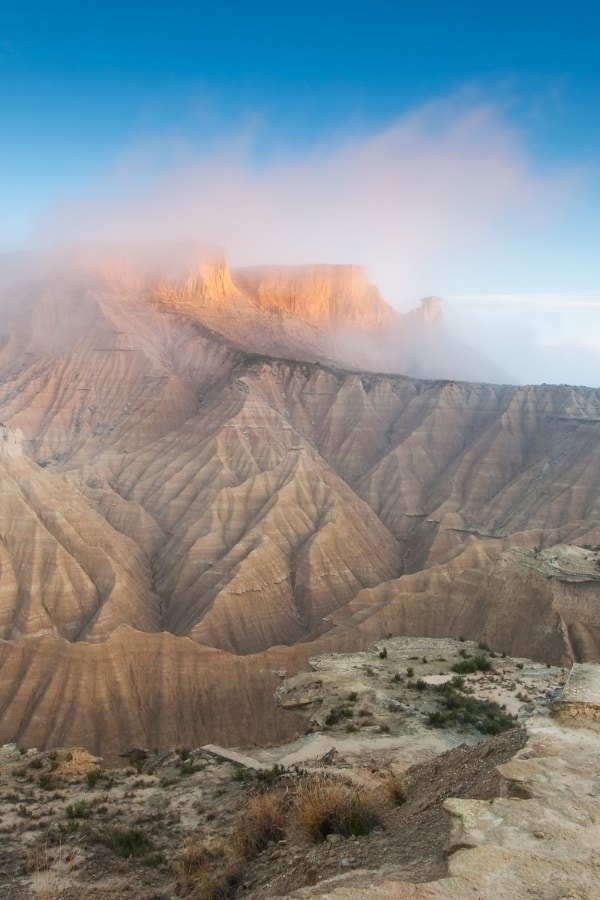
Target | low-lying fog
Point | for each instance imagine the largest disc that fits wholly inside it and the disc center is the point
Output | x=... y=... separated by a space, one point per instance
x=445 y=201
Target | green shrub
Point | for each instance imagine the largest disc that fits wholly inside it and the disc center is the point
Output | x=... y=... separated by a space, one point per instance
x=270 y=776
x=128 y=842
x=78 y=810
x=437 y=719
x=337 y=714
x=485 y=716
x=91 y=778
x=46 y=781
x=478 y=663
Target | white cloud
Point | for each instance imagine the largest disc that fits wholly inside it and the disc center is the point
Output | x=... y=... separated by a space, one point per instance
x=413 y=202
x=444 y=200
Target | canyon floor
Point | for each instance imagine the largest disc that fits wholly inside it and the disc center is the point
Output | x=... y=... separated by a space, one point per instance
x=441 y=791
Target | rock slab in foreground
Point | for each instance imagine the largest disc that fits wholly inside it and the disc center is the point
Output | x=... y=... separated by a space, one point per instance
x=579 y=704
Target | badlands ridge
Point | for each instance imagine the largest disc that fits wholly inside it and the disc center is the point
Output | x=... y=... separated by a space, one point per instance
x=209 y=476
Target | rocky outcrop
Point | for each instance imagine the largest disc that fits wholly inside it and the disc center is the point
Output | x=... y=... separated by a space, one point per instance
x=579 y=702
x=538 y=839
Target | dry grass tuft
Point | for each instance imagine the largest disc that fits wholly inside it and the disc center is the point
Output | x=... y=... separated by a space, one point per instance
x=213 y=869
x=263 y=821
x=396 y=788
x=327 y=806
x=208 y=870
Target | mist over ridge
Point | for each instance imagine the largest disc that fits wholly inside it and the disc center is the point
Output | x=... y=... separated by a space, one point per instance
x=446 y=200
x=323 y=313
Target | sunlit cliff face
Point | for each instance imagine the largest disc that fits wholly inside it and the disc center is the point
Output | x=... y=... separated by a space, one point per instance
x=321 y=295
x=331 y=314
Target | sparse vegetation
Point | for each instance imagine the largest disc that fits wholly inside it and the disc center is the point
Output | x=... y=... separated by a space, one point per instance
x=127 y=842
x=91 y=778
x=208 y=869
x=325 y=806
x=265 y=817
x=187 y=767
x=272 y=775
x=46 y=781
x=396 y=787
x=262 y=821
x=383 y=653
x=478 y=663
x=485 y=716
x=78 y=810
x=337 y=714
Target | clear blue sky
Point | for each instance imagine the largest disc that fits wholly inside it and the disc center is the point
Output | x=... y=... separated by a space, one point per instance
x=87 y=88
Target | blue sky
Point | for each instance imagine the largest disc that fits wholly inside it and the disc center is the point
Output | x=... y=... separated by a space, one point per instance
x=453 y=148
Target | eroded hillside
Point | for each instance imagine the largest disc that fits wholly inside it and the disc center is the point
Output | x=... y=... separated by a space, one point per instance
x=183 y=519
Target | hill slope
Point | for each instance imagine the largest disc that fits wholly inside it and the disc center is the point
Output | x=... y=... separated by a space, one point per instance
x=182 y=517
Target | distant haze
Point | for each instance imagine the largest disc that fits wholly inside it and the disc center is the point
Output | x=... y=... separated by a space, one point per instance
x=445 y=201
x=552 y=338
